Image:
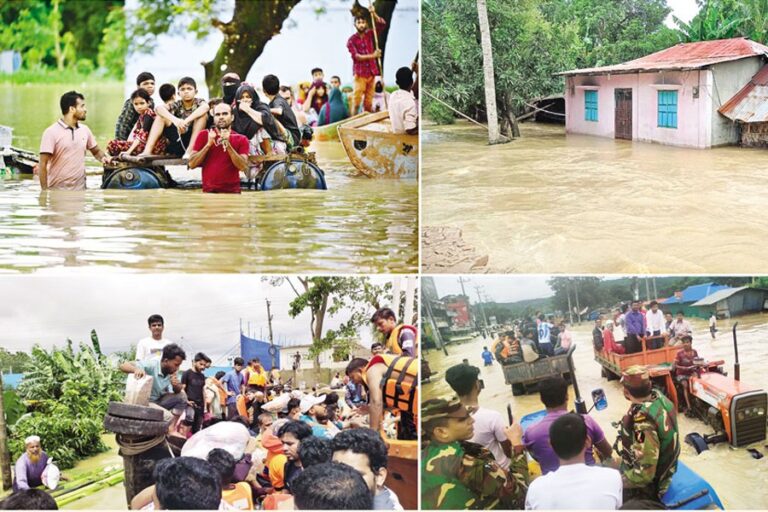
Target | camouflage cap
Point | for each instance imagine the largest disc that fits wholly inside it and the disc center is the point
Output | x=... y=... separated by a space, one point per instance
x=635 y=376
x=443 y=407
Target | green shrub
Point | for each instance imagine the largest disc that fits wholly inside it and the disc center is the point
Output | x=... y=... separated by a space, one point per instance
x=438 y=113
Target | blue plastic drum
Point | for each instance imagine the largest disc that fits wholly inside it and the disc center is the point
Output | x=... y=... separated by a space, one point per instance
x=133 y=178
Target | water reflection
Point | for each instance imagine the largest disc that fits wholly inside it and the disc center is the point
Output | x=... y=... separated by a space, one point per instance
x=555 y=203
x=735 y=475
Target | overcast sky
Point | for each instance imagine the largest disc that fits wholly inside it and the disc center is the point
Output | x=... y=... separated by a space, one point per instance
x=683 y=9
x=498 y=288
x=201 y=311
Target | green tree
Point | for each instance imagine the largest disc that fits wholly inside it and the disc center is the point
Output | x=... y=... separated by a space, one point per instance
x=722 y=19
x=113 y=48
x=325 y=297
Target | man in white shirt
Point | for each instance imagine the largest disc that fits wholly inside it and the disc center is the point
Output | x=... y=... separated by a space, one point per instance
x=545 y=342
x=151 y=347
x=713 y=325
x=490 y=430
x=654 y=325
x=574 y=485
x=403 y=114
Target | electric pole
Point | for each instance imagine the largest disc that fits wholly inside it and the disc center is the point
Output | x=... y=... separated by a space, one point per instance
x=5 y=456
x=647 y=289
x=480 y=305
x=461 y=282
x=578 y=307
x=271 y=342
x=568 y=294
x=435 y=330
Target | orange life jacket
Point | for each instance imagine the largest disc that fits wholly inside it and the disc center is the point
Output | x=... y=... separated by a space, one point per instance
x=400 y=382
x=393 y=342
x=240 y=497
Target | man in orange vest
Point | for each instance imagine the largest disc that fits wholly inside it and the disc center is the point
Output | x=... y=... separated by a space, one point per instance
x=400 y=339
x=391 y=383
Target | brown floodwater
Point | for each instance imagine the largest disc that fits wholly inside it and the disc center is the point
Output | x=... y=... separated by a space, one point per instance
x=358 y=225
x=738 y=479
x=551 y=202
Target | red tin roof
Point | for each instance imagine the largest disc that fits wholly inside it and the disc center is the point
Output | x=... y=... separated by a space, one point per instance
x=750 y=104
x=683 y=56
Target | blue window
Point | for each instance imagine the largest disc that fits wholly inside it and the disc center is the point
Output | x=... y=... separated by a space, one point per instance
x=667 y=109
x=590 y=105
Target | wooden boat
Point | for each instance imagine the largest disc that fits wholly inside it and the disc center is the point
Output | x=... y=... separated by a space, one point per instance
x=329 y=132
x=403 y=471
x=375 y=151
x=18 y=160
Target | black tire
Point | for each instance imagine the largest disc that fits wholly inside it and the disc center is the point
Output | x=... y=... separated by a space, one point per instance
x=131 y=427
x=135 y=412
x=697 y=441
x=567 y=377
x=518 y=389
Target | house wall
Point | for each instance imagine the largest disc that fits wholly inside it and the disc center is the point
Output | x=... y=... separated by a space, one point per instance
x=728 y=78
x=693 y=113
x=754 y=135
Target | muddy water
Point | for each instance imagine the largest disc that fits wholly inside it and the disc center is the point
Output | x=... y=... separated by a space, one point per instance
x=551 y=202
x=358 y=225
x=109 y=498
x=738 y=478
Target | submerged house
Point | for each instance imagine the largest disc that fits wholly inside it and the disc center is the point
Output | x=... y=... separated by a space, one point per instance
x=749 y=110
x=683 y=302
x=670 y=97
x=732 y=302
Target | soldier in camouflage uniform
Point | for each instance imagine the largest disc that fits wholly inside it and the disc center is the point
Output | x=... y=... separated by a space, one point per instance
x=457 y=474
x=648 y=438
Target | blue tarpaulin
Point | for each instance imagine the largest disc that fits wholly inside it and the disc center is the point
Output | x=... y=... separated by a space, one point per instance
x=250 y=348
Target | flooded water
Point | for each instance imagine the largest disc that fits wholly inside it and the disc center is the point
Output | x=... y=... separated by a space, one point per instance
x=109 y=498
x=551 y=202
x=358 y=225
x=738 y=479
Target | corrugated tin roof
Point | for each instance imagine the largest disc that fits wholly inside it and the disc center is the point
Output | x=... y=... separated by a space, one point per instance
x=695 y=293
x=683 y=56
x=719 y=295
x=750 y=104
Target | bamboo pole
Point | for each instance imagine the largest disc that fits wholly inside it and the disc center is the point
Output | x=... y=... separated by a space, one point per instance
x=5 y=456
x=376 y=41
x=90 y=489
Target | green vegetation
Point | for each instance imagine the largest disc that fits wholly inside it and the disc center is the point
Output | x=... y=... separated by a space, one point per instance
x=13 y=362
x=68 y=391
x=57 y=38
x=533 y=40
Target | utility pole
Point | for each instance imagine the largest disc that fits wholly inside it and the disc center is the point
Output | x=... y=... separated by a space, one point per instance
x=5 y=456
x=578 y=307
x=568 y=294
x=271 y=342
x=655 y=292
x=435 y=330
x=647 y=290
x=480 y=305
x=461 y=282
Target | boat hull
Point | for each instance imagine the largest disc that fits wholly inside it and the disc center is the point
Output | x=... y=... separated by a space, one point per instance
x=376 y=152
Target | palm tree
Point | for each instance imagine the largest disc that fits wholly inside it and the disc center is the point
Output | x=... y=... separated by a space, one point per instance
x=490 y=86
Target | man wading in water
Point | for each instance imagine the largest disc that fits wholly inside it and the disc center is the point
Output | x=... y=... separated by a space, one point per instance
x=364 y=61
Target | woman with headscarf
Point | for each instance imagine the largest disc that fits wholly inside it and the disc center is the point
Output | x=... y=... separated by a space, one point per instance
x=316 y=98
x=254 y=120
x=334 y=110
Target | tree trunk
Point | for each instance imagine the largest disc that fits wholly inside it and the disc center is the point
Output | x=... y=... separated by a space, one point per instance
x=385 y=9
x=317 y=335
x=5 y=456
x=253 y=25
x=490 y=86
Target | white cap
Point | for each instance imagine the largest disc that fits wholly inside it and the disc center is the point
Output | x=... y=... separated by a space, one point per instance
x=31 y=439
x=308 y=401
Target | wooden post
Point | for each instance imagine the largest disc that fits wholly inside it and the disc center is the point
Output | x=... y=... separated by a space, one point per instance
x=490 y=85
x=5 y=456
x=376 y=41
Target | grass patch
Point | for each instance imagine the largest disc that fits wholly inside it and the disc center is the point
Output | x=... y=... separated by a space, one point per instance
x=52 y=76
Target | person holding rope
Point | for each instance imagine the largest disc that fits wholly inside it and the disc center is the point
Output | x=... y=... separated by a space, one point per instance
x=363 y=47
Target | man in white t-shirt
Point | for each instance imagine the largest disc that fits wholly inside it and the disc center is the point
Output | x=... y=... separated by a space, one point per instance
x=544 y=331
x=151 y=347
x=490 y=430
x=574 y=485
x=654 y=325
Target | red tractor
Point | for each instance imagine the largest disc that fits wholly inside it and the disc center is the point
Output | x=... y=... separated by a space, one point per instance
x=736 y=411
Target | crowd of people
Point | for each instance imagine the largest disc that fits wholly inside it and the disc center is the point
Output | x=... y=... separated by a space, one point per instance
x=472 y=459
x=223 y=133
x=250 y=438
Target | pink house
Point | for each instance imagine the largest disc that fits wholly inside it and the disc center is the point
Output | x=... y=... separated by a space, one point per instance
x=669 y=97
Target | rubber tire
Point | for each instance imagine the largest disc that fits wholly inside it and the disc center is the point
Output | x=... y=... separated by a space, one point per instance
x=697 y=441
x=131 y=427
x=134 y=412
x=518 y=389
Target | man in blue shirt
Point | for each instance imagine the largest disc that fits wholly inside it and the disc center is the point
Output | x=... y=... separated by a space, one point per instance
x=233 y=383
x=634 y=326
x=166 y=388
x=487 y=357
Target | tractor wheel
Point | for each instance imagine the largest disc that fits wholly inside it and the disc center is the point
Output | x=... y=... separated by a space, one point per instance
x=133 y=427
x=135 y=412
x=699 y=444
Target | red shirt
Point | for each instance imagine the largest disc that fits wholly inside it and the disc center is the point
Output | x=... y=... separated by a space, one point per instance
x=609 y=343
x=364 y=45
x=685 y=360
x=219 y=173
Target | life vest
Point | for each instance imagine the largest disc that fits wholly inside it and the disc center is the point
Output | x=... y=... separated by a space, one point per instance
x=257 y=378
x=240 y=497
x=393 y=342
x=399 y=384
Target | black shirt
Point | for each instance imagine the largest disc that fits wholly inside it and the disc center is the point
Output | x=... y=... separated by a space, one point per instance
x=288 y=118
x=195 y=383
